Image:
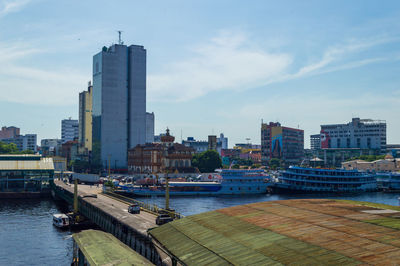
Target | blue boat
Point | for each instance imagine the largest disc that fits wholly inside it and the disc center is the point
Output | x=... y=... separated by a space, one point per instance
x=389 y=182
x=310 y=180
x=233 y=182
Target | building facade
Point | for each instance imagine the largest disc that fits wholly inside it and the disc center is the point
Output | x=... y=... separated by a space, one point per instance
x=149 y=127
x=223 y=141
x=315 y=142
x=284 y=143
x=85 y=118
x=50 y=147
x=119 y=103
x=359 y=133
x=199 y=146
x=166 y=156
x=69 y=130
x=9 y=132
x=24 y=142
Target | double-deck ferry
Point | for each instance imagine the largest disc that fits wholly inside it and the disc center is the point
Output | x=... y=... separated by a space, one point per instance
x=306 y=180
x=233 y=182
x=389 y=182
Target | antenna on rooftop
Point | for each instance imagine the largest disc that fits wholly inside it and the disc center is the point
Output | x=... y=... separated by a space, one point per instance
x=119 y=37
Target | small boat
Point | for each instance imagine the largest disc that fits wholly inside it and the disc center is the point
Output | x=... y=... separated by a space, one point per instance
x=61 y=220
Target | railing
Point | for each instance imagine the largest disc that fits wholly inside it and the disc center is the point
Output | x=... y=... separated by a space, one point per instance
x=151 y=208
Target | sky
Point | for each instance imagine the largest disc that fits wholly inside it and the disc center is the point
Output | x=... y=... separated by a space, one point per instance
x=212 y=66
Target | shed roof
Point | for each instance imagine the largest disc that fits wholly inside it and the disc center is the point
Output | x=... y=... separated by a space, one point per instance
x=308 y=231
x=102 y=248
x=16 y=164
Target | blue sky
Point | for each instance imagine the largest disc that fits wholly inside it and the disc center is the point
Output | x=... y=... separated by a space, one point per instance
x=213 y=66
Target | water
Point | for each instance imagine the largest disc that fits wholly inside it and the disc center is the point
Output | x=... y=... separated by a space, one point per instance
x=195 y=205
x=27 y=236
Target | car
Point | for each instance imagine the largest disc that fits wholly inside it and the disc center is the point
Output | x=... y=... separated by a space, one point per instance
x=134 y=208
x=163 y=219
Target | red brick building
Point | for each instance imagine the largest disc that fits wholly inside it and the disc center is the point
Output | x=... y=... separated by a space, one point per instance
x=161 y=157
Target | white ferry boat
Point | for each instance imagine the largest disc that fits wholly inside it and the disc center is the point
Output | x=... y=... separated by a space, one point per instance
x=60 y=220
x=306 y=180
x=233 y=182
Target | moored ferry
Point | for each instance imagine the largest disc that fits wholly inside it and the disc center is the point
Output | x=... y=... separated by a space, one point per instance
x=307 y=180
x=389 y=182
x=233 y=182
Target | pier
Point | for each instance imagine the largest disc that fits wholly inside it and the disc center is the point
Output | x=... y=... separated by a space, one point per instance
x=112 y=216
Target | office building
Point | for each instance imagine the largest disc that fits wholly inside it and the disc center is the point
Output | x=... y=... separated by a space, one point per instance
x=223 y=141
x=284 y=143
x=85 y=118
x=359 y=133
x=24 y=142
x=315 y=141
x=9 y=132
x=212 y=142
x=119 y=104
x=149 y=127
x=50 y=147
x=69 y=130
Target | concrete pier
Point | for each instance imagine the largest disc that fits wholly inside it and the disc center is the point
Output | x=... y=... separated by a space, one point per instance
x=113 y=217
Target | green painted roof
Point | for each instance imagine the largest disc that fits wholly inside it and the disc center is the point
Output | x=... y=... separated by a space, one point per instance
x=102 y=248
x=307 y=231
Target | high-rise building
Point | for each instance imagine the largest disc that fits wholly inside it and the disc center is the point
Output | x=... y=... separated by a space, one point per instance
x=8 y=132
x=50 y=147
x=359 y=133
x=119 y=103
x=149 y=127
x=69 y=130
x=85 y=118
x=315 y=141
x=212 y=142
x=284 y=143
x=223 y=141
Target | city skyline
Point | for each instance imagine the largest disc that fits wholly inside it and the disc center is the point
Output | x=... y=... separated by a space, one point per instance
x=227 y=66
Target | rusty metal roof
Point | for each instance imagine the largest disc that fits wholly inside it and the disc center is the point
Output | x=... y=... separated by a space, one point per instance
x=42 y=164
x=305 y=231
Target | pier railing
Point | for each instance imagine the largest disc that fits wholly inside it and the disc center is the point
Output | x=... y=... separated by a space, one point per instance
x=151 y=208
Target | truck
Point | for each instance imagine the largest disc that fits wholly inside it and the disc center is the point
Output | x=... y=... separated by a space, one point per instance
x=86 y=178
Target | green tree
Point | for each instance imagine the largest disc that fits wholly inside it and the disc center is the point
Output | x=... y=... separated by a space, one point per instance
x=207 y=161
x=274 y=163
x=9 y=148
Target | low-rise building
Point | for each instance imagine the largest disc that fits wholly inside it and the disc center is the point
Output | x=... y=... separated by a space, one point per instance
x=9 y=132
x=383 y=165
x=22 y=173
x=166 y=156
x=50 y=147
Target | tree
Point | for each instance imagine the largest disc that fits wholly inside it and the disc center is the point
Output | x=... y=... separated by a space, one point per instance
x=274 y=163
x=207 y=161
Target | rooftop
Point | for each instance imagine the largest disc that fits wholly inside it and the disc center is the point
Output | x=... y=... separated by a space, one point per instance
x=306 y=231
x=102 y=248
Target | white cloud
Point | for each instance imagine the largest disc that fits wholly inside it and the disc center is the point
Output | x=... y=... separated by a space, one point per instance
x=226 y=62
x=230 y=62
x=7 y=7
x=27 y=83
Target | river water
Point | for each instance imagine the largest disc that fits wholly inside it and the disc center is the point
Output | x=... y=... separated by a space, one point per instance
x=27 y=236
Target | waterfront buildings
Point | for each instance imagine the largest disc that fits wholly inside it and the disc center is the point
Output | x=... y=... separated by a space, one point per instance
x=150 y=127
x=85 y=118
x=284 y=143
x=119 y=104
x=69 y=130
x=25 y=173
x=9 y=132
x=213 y=143
x=359 y=133
x=161 y=157
x=383 y=165
x=24 y=142
x=199 y=146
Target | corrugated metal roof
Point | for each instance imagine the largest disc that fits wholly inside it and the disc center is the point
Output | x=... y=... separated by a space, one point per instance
x=42 y=164
x=102 y=248
x=310 y=232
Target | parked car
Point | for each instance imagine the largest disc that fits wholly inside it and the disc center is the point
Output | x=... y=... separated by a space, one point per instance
x=134 y=208
x=163 y=219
